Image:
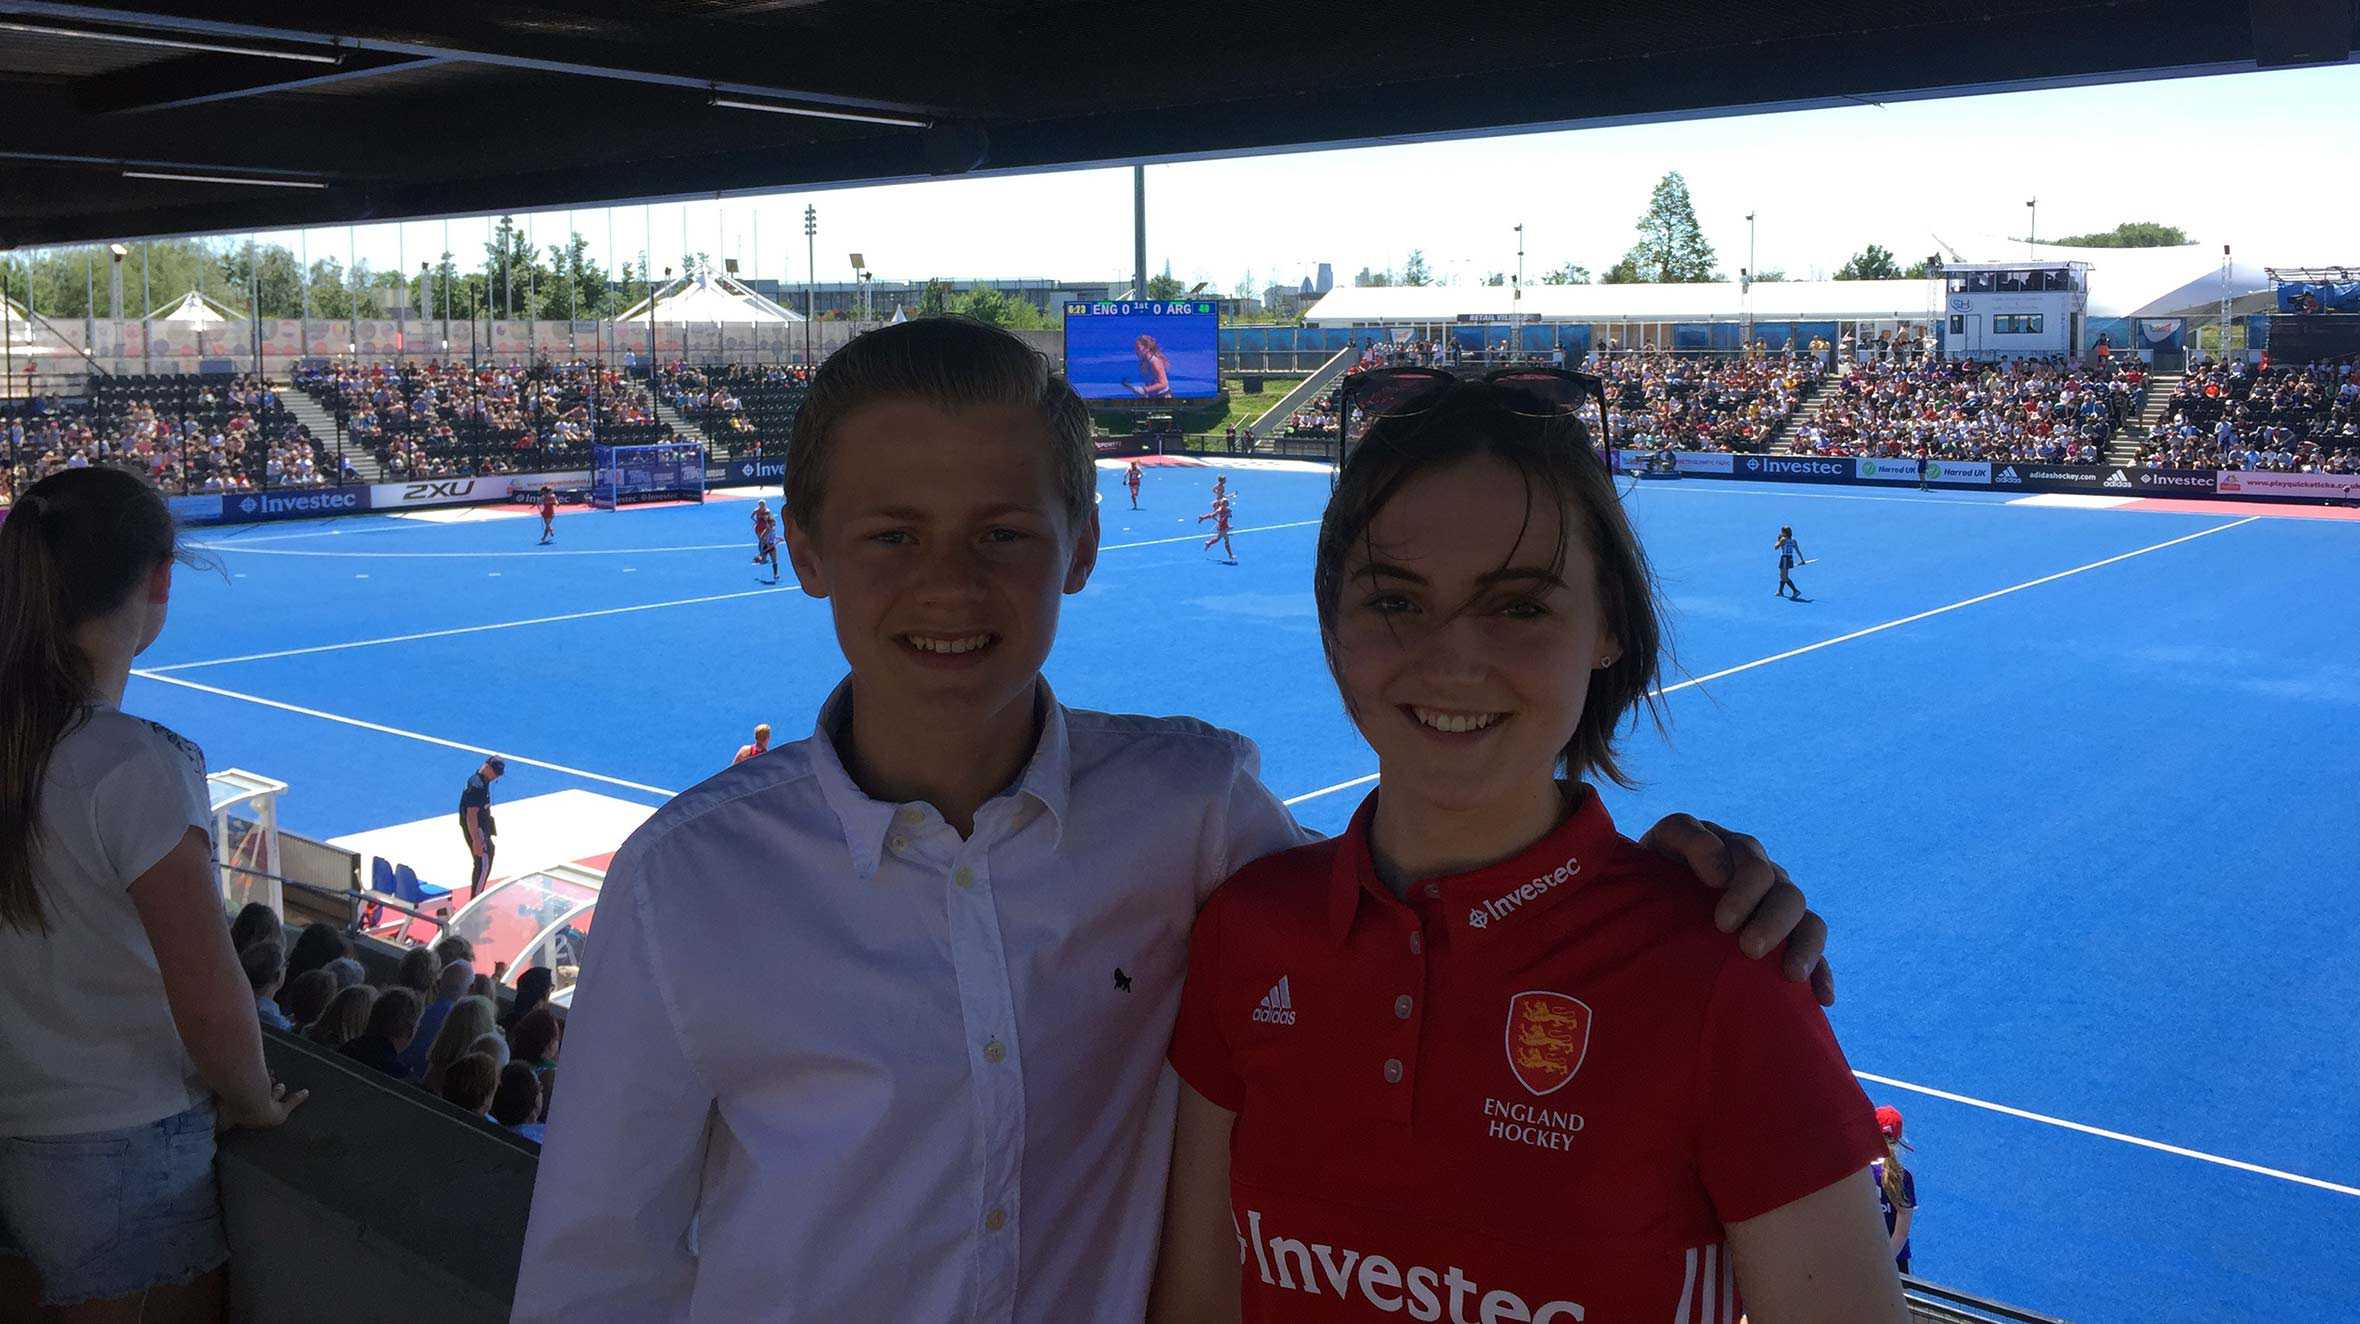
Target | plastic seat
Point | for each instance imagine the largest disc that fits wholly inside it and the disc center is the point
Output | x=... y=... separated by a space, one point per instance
x=408 y=888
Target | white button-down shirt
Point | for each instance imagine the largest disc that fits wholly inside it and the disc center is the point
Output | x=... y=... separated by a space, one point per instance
x=889 y=1074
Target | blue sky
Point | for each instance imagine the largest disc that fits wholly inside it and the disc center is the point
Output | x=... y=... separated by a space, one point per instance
x=2262 y=161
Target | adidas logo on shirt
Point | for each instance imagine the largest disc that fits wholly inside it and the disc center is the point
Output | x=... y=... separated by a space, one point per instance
x=1278 y=1005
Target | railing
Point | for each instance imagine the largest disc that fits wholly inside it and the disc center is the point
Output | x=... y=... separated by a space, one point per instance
x=354 y=906
x=1932 y=1303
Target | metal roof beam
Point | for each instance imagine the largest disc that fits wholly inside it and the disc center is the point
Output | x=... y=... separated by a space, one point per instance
x=201 y=79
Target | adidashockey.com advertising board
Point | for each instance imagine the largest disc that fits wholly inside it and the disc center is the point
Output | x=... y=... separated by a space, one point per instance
x=2007 y=475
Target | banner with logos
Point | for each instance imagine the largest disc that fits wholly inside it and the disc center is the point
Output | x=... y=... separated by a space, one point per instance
x=1870 y=470
x=2034 y=476
x=438 y=492
x=2264 y=483
x=1970 y=473
x=292 y=503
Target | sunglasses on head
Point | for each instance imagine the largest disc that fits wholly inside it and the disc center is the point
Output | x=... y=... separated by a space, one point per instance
x=1530 y=392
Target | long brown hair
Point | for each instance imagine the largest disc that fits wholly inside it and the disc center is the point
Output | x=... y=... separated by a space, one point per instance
x=1557 y=464
x=1894 y=1174
x=74 y=548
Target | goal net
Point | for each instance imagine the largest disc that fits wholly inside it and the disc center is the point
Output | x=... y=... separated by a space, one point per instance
x=667 y=471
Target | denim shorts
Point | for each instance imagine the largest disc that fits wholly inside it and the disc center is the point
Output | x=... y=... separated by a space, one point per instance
x=104 y=1214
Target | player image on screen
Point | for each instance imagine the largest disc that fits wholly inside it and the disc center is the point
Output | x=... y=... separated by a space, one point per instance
x=1143 y=349
x=1155 y=370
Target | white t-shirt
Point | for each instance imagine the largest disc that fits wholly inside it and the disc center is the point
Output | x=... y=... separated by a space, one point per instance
x=86 y=1037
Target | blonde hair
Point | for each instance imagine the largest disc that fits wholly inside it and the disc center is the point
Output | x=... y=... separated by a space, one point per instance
x=471 y=1019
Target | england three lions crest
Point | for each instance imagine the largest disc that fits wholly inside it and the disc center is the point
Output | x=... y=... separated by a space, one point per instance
x=1548 y=1036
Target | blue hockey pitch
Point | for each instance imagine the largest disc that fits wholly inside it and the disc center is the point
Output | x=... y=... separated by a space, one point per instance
x=2074 y=788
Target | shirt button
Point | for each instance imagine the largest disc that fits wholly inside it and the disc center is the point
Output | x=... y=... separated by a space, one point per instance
x=1433 y=891
x=995 y=1220
x=1401 y=1007
x=1417 y=944
x=995 y=1052
x=900 y=843
x=964 y=876
x=1392 y=1070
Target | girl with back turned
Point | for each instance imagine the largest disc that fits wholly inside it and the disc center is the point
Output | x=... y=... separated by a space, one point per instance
x=130 y=1029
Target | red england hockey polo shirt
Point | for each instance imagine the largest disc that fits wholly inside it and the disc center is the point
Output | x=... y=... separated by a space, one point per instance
x=1532 y=1093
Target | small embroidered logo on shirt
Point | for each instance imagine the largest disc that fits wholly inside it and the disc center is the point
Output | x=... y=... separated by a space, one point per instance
x=1278 y=1005
x=1122 y=982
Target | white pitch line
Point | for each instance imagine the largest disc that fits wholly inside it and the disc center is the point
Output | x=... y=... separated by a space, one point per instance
x=1199 y=537
x=1893 y=624
x=615 y=551
x=464 y=629
x=2102 y=1133
x=382 y=729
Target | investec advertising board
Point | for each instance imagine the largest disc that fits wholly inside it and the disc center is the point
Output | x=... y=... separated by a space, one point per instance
x=295 y=503
x=757 y=470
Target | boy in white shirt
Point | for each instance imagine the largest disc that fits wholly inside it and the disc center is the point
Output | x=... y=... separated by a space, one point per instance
x=873 y=1026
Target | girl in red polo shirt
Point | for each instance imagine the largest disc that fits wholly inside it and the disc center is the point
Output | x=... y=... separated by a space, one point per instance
x=1473 y=1060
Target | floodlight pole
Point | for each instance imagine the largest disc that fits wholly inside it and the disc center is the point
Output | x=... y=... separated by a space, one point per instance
x=810 y=275
x=146 y=329
x=1516 y=317
x=2032 y=235
x=1139 y=231
x=254 y=299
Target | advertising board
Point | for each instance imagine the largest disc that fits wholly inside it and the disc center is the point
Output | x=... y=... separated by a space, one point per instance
x=298 y=503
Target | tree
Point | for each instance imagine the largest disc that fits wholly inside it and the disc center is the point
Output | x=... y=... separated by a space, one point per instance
x=1496 y=278
x=1378 y=278
x=1671 y=244
x=935 y=299
x=1415 y=271
x=512 y=272
x=1928 y=267
x=575 y=289
x=1572 y=273
x=1165 y=286
x=2129 y=234
x=1625 y=272
x=1874 y=262
x=1774 y=274
x=245 y=271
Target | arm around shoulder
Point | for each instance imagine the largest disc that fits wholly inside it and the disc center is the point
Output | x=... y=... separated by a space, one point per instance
x=1819 y=1260
x=1196 y=1273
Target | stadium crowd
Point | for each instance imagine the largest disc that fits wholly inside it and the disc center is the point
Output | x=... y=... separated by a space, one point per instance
x=2047 y=410
x=1703 y=403
x=734 y=403
x=186 y=434
x=2240 y=415
x=436 y=1026
x=443 y=419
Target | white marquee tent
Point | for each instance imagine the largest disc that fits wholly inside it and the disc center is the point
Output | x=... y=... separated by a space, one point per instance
x=197 y=309
x=707 y=297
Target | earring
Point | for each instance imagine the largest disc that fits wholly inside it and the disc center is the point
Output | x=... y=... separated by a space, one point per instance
x=1605 y=662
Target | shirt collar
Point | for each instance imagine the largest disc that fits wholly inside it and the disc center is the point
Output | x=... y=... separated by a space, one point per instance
x=1504 y=893
x=1046 y=778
